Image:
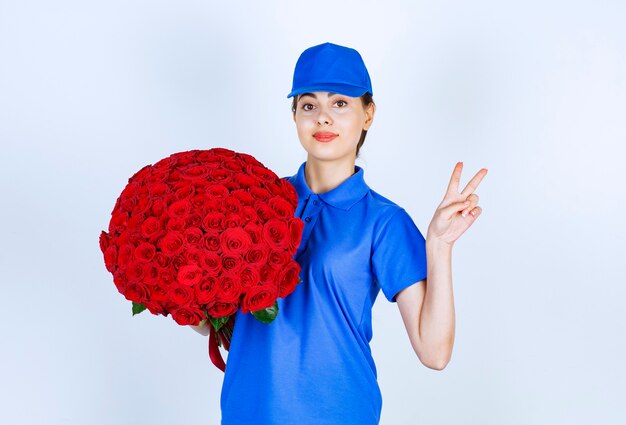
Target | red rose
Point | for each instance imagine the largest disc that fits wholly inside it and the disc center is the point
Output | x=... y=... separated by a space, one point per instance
x=212 y=263
x=281 y=207
x=211 y=240
x=187 y=316
x=199 y=200
x=104 y=241
x=263 y=173
x=192 y=235
x=194 y=255
x=159 y=206
x=179 y=208
x=243 y=196
x=249 y=276
x=194 y=220
x=124 y=238
x=217 y=192
x=232 y=205
x=134 y=271
x=135 y=221
x=110 y=256
x=232 y=164
x=264 y=212
x=154 y=307
x=255 y=231
x=196 y=172
x=232 y=262
x=178 y=261
x=219 y=175
x=150 y=227
x=176 y=224
x=213 y=221
x=268 y=275
x=157 y=190
x=206 y=290
x=295 y=234
x=233 y=220
x=172 y=243
x=275 y=232
x=161 y=260
x=256 y=255
x=143 y=205
x=151 y=274
x=289 y=192
x=167 y=276
x=181 y=295
x=189 y=275
x=118 y=221
x=248 y=214
x=235 y=240
x=221 y=309
x=257 y=298
x=278 y=259
x=124 y=254
x=260 y=194
x=145 y=252
x=120 y=282
x=288 y=278
x=229 y=288
x=137 y=292
x=158 y=294
x=246 y=180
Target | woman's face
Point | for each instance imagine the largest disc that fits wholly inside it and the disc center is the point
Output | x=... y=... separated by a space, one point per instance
x=320 y=114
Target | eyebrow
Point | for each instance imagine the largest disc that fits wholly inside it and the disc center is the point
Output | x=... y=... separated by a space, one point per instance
x=330 y=94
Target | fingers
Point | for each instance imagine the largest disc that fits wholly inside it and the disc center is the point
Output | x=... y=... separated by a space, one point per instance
x=466 y=208
x=453 y=186
x=473 y=201
x=453 y=209
x=476 y=212
x=474 y=182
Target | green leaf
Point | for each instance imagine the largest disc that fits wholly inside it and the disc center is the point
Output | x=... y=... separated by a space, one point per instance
x=218 y=323
x=138 y=308
x=267 y=315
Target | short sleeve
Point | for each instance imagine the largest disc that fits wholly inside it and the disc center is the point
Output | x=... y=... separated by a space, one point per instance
x=398 y=254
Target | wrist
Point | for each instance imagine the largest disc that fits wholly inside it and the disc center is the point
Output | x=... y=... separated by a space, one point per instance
x=434 y=244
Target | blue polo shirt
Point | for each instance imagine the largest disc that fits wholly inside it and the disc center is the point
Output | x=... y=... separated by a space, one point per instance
x=313 y=364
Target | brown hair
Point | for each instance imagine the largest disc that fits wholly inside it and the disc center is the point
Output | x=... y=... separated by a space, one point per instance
x=366 y=99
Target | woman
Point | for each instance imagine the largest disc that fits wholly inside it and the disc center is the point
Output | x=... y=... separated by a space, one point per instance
x=312 y=365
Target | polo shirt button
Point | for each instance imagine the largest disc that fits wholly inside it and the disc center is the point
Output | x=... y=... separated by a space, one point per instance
x=307 y=219
x=316 y=202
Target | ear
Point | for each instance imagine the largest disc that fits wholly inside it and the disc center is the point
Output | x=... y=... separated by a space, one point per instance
x=369 y=115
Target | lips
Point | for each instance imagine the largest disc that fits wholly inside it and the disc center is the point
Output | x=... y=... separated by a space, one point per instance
x=324 y=136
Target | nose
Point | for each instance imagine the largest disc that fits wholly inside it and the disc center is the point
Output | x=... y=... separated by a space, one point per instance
x=323 y=118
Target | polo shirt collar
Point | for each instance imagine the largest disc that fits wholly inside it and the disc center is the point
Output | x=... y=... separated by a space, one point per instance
x=344 y=196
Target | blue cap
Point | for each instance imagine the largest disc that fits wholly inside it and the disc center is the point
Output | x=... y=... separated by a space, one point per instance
x=332 y=68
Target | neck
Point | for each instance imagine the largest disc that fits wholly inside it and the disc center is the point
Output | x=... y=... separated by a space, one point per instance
x=323 y=176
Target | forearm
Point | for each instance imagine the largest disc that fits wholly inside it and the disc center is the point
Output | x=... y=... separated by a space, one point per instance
x=437 y=321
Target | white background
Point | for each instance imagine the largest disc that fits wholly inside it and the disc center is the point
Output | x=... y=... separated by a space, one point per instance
x=534 y=91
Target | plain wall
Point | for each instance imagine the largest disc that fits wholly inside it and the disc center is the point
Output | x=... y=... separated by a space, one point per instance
x=534 y=91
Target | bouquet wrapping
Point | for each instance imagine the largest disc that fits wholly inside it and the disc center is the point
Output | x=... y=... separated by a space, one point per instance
x=202 y=233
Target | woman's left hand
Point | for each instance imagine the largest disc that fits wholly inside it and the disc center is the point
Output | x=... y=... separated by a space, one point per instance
x=458 y=211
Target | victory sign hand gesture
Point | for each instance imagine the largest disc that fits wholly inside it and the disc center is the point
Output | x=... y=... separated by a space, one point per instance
x=458 y=211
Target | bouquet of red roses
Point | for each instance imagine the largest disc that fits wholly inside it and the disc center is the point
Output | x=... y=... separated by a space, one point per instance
x=201 y=233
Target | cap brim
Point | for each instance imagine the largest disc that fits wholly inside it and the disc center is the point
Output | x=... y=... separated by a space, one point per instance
x=345 y=89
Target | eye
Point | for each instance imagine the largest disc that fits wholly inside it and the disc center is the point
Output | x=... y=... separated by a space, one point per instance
x=342 y=101
x=305 y=106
